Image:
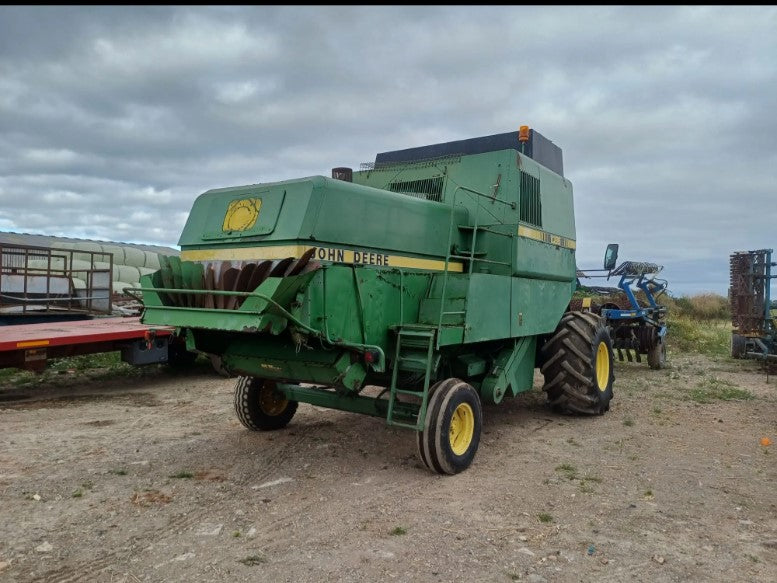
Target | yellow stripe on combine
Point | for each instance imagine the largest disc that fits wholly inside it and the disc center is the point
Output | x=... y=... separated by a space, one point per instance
x=363 y=257
x=545 y=237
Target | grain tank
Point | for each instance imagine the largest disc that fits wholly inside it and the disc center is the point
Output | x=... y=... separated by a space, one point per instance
x=420 y=287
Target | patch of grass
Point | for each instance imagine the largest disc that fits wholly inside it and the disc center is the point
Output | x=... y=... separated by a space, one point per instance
x=568 y=470
x=77 y=493
x=91 y=367
x=586 y=488
x=98 y=366
x=688 y=334
x=714 y=389
x=236 y=534
x=253 y=560
x=586 y=483
x=544 y=517
x=183 y=475
x=398 y=531
x=628 y=422
x=572 y=441
x=570 y=473
x=706 y=306
x=119 y=472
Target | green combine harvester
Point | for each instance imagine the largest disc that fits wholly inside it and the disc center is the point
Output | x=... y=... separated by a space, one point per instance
x=429 y=283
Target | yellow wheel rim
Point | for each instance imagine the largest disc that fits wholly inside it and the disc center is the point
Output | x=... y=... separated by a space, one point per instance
x=462 y=428
x=271 y=402
x=602 y=366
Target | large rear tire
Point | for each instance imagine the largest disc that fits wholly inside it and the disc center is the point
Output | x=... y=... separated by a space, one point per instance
x=260 y=407
x=454 y=416
x=578 y=367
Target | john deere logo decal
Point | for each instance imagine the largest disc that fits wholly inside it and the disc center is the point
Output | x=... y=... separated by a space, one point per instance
x=242 y=214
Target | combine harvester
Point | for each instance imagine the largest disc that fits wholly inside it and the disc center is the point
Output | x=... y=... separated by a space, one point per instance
x=753 y=313
x=440 y=275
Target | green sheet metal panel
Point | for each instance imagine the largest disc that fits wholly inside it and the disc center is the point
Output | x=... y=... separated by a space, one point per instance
x=488 y=308
x=537 y=305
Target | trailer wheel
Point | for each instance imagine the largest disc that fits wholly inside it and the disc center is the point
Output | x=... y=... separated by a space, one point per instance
x=260 y=407
x=451 y=433
x=578 y=367
x=657 y=354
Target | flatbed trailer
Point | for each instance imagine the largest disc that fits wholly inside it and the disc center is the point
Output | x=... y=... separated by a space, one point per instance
x=29 y=346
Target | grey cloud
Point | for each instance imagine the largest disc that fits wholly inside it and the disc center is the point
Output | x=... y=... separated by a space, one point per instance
x=128 y=113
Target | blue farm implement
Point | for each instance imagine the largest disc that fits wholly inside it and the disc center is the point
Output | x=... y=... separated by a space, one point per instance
x=636 y=320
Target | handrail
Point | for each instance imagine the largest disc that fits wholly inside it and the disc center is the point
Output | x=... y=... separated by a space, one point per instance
x=472 y=258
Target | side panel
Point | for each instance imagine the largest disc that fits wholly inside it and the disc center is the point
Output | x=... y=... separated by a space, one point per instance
x=536 y=258
x=504 y=307
x=537 y=305
x=488 y=308
x=360 y=304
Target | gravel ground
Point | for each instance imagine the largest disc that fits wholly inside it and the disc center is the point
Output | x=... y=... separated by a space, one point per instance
x=154 y=479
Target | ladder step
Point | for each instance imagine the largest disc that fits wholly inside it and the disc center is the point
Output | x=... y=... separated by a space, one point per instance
x=412 y=364
x=417 y=333
x=414 y=353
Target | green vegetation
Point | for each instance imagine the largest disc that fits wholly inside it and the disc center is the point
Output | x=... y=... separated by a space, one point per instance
x=89 y=367
x=569 y=471
x=92 y=366
x=715 y=389
x=544 y=517
x=699 y=307
x=183 y=475
x=253 y=560
x=699 y=323
x=399 y=531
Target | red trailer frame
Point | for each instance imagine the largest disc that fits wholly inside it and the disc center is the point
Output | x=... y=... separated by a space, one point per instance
x=29 y=346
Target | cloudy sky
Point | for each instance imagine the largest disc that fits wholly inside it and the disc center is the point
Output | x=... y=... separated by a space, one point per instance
x=113 y=119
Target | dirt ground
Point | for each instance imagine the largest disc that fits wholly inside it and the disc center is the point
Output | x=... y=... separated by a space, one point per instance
x=154 y=479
